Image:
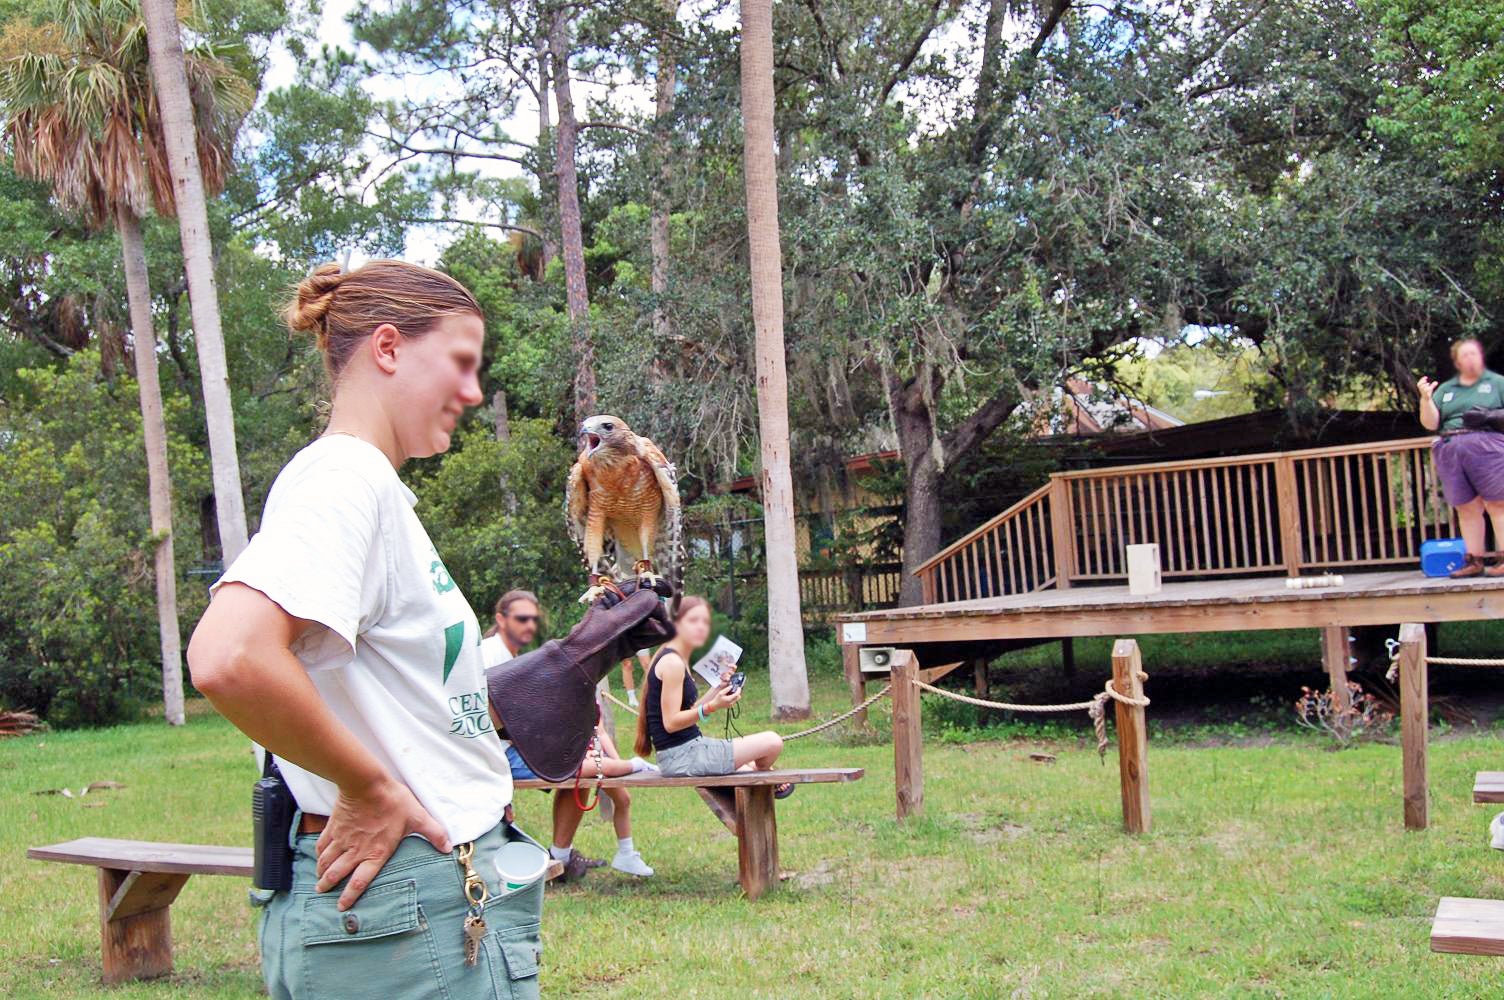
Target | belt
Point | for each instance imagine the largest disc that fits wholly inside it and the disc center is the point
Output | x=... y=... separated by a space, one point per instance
x=312 y=823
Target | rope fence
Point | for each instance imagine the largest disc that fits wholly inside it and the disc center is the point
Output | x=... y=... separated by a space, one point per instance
x=1393 y=645
x=1095 y=708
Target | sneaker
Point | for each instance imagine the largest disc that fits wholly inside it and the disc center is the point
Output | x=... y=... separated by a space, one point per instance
x=1496 y=833
x=631 y=862
x=588 y=862
x=638 y=764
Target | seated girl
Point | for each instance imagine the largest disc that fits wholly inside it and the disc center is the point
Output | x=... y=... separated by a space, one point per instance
x=672 y=709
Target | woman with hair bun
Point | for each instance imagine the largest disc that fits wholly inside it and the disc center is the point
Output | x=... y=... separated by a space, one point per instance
x=339 y=642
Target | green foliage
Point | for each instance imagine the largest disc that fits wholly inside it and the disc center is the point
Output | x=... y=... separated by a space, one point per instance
x=495 y=511
x=78 y=634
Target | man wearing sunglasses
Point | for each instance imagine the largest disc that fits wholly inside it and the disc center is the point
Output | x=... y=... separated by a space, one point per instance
x=517 y=617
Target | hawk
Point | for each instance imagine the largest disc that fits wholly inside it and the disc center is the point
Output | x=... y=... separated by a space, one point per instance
x=622 y=499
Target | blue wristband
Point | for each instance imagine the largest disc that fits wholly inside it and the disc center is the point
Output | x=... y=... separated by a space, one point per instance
x=701 y=709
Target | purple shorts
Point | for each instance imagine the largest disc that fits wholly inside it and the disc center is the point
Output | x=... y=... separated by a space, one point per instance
x=1470 y=465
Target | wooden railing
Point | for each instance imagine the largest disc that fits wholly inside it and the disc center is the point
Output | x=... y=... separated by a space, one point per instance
x=1326 y=508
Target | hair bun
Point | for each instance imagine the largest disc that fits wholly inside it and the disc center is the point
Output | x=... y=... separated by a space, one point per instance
x=307 y=311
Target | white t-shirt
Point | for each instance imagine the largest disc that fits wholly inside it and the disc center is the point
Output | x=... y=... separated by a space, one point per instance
x=493 y=651
x=395 y=651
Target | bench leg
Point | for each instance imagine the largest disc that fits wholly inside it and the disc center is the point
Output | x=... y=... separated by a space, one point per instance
x=757 y=839
x=134 y=928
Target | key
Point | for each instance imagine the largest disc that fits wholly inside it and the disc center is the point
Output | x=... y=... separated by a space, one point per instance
x=475 y=929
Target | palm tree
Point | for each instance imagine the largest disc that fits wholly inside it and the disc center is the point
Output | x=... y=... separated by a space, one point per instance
x=80 y=113
x=785 y=627
x=197 y=154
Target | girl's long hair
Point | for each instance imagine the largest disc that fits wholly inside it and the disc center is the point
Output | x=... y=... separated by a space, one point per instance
x=643 y=745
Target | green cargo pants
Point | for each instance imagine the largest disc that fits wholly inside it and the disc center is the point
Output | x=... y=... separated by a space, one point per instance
x=403 y=938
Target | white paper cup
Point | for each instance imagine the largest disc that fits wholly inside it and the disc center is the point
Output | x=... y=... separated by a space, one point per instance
x=520 y=864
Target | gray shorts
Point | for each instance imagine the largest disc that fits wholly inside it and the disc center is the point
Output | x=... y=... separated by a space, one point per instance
x=700 y=757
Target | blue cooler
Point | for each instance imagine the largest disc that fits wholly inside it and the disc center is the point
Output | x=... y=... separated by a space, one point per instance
x=1439 y=556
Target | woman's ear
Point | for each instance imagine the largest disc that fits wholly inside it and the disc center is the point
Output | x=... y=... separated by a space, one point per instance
x=385 y=340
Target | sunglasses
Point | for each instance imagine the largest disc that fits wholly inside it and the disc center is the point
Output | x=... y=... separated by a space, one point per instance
x=524 y=619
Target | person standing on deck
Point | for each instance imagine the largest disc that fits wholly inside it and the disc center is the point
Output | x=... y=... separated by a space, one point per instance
x=1470 y=463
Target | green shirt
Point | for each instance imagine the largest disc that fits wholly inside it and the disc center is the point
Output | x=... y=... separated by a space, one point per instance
x=1453 y=399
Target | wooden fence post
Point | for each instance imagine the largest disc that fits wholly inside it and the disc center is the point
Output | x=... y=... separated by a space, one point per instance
x=851 y=665
x=1133 y=736
x=1287 y=503
x=1062 y=532
x=908 y=739
x=1415 y=712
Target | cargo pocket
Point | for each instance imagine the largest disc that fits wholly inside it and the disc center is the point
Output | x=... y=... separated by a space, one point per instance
x=514 y=964
x=382 y=946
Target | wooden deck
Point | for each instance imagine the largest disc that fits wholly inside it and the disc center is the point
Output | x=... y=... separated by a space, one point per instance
x=1220 y=605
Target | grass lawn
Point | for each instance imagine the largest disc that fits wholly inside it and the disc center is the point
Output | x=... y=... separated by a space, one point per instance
x=1277 y=870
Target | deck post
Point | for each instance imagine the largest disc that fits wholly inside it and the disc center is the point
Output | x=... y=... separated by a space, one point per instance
x=851 y=666
x=1062 y=531
x=1336 y=654
x=1133 y=736
x=1287 y=503
x=1415 y=711
x=908 y=738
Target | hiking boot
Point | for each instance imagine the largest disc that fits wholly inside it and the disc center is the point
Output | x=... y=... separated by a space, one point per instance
x=631 y=862
x=1473 y=566
x=575 y=867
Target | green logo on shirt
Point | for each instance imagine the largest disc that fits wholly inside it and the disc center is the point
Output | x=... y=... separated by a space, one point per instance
x=442 y=581
x=454 y=637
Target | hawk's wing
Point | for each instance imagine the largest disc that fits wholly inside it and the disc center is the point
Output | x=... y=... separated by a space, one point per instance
x=668 y=554
x=576 y=503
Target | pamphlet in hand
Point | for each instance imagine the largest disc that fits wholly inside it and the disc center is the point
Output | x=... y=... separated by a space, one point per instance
x=723 y=653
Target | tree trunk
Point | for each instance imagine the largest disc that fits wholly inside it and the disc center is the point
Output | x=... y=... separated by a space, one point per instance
x=658 y=227
x=785 y=628
x=575 y=293
x=159 y=485
x=545 y=166
x=921 y=524
x=165 y=44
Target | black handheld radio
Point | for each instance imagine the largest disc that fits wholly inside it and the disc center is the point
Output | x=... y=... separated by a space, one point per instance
x=272 y=810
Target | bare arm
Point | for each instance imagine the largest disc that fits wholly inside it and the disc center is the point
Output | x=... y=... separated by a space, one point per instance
x=241 y=661
x=671 y=672
x=1430 y=416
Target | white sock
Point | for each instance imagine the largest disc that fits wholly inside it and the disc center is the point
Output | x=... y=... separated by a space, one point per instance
x=559 y=853
x=624 y=845
x=638 y=764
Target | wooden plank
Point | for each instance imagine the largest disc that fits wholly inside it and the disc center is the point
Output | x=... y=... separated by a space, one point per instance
x=722 y=803
x=138 y=946
x=908 y=737
x=1488 y=786
x=148 y=856
x=756 y=840
x=737 y=779
x=1062 y=533
x=1468 y=926
x=1056 y=623
x=1414 y=724
x=1133 y=736
x=140 y=892
x=931 y=675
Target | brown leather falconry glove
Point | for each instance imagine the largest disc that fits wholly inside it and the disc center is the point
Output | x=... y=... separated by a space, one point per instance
x=546 y=698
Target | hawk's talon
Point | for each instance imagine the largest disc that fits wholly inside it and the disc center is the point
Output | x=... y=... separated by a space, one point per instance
x=601 y=586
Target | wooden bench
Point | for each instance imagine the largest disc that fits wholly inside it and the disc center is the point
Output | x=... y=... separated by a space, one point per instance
x=1488 y=786
x=743 y=801
x=138 y=880
x=1468 y=926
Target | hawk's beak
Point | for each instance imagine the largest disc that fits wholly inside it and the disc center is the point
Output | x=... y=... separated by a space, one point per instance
x=592 y=441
